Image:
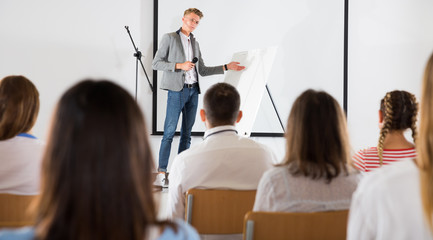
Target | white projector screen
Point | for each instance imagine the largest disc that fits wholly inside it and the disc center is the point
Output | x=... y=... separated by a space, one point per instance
x=309 y=36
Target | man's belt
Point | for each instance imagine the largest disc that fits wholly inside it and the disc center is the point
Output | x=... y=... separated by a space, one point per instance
x=186 y=85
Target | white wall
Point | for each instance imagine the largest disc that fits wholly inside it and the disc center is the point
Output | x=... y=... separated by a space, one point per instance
x=57 y=43
x=389 y=44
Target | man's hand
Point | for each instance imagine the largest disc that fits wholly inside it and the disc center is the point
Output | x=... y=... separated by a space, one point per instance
x=235 y=66
x=185 y=66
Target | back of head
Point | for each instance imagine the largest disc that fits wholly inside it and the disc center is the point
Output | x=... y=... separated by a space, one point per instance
x=425 y=143
x=317 y=141
x=19 y=106
x=399 y=110
x=96 y=173
x=221 y=104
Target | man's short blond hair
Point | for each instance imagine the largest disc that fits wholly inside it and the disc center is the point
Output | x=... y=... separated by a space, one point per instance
x=193 y=10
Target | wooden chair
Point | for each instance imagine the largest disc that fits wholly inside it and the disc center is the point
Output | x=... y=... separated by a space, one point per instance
x=213 y=211
x=13 y=210
x=279 y=225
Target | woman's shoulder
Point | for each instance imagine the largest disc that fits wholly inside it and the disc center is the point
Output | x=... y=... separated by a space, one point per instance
x=278 y=169
x=276 y=172
x=367 y=151
x=275 y=177
x=389 y=175
x=183 y=231
x=23 y=142
x=26 y=233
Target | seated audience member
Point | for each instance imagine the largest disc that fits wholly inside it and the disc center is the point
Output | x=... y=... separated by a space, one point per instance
x=96 y=172
x=224 y=159
x=20 y=151
x=396 y=202
x=315 y=174
x=398 y=112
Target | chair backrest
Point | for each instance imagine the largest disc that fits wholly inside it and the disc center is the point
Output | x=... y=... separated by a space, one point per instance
x=13 y=210
x=283 y=225
x=215 y=211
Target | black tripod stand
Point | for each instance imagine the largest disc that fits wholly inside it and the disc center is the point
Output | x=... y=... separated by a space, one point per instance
x=138 y=55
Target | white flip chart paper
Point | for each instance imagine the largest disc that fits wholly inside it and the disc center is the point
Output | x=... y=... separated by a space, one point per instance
x=251 y=83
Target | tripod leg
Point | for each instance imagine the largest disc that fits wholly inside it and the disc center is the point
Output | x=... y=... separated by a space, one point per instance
x=275 y=108
x=136 y=78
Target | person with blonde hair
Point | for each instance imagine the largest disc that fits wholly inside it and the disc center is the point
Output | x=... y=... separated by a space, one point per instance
x=96 y=172
x=398 y=112
x=20 y=151
x=180 y=59
x=315 y=174
x=396 y=202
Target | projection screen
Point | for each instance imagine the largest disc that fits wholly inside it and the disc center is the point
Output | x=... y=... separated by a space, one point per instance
x=308 y=35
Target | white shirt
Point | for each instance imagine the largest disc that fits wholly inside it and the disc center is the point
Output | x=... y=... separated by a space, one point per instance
x=387 y=205
x=223 y=160
x=280 y=191
x=20 y=164
x=191 y=75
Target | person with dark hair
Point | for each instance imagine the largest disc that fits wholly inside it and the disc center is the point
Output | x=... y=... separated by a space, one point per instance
x=96 y=172
x=175 y=57
x=396 y=201
x=20 y=151
x=224 y=159
x=315 y=174
x=398 y=112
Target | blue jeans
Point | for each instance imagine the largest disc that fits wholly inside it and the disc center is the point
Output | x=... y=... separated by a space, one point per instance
x=185 y=101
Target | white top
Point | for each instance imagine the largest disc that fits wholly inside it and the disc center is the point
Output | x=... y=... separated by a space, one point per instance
x=20 y=164
x=191 y=75
x=280 y=191
x=387 y=205
x=223 y=160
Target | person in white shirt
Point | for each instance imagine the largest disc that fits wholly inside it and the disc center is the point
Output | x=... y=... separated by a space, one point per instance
x=96 y=172
x=396 y=201
x=20 y=151
x=315 y=174
x=224 y=159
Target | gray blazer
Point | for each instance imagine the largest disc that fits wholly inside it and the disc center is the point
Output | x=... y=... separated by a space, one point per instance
x=171 y=52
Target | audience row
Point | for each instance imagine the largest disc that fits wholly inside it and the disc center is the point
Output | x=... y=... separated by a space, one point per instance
x=96 y=168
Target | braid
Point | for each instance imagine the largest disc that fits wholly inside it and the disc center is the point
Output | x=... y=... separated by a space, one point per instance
x=414 y=117
x=399 y=110
x=386 y=126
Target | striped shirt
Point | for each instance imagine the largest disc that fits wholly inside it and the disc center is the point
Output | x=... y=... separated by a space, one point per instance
x=368 y=159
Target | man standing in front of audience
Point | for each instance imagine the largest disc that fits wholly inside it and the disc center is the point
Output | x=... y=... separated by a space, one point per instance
x=180 y=58
x=224 y=159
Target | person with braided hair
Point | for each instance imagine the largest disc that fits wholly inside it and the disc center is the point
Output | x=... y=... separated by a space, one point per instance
x=398 y=112
x=396 y=201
